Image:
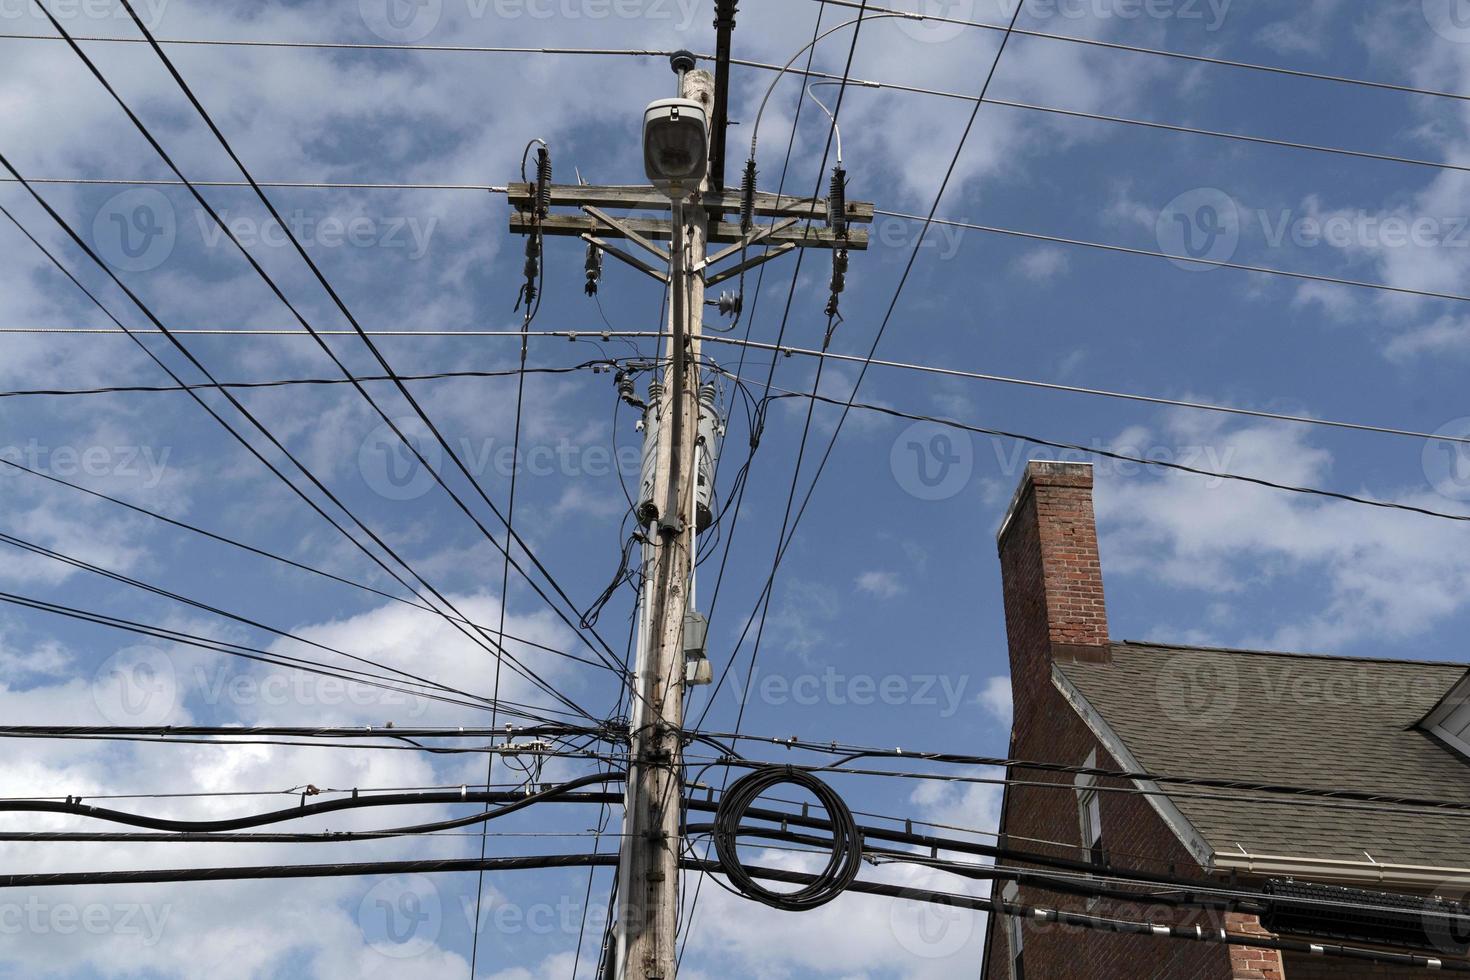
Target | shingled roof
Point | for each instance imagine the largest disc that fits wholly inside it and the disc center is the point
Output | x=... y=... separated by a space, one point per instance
x=1328 y=723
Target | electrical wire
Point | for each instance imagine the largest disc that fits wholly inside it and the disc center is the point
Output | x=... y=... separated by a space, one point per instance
x=783 y=539
x=1125 y=457
x=1159 y=254
x=738 y=493
x=745 y=63
x=418 y=681
x=843 y=861
x=787 y=351
x=510 y=511
x=281 y=558
x=596 y=366
x=336 y=300
x=245 y=443
x=512 y=802
x=1177 y=55
x=255 y=654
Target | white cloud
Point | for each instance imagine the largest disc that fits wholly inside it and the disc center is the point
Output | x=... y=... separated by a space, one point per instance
x=1043 y=264
x=1374 y=574
x=881 y=585
x=996 y=699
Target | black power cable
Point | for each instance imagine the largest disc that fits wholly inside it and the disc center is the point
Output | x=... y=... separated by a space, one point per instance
x=232 y=542
x=457 y=620
x=522 y=800
x=605 y=652
x=847 y=840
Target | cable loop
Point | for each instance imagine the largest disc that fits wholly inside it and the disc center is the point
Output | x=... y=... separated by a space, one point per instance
x=847 y=840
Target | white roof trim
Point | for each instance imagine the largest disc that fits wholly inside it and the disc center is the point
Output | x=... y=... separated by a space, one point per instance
x=1193 y=841
x=1351 y=872
x=1457 y=698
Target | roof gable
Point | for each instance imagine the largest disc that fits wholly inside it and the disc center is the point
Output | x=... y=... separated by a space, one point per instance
x=1322 y=722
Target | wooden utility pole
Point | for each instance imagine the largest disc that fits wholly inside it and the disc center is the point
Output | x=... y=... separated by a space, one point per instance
x=669 y=505
x=649 y=890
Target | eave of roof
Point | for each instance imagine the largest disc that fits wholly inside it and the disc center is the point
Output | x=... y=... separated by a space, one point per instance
x=1366 y=741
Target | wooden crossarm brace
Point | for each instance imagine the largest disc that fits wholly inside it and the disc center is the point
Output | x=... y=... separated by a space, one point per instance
x=758 y=235
x=749 y=263
x=626 y=232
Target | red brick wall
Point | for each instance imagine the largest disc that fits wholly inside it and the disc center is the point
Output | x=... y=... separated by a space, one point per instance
x=1248 y=962
x=1135 y=838
x=1050 y=560
x=1054 y=608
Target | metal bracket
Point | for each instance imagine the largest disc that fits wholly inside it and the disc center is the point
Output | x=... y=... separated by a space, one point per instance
x=749 y=263
x=758 y=235
x=626 y=231
x=622 y=256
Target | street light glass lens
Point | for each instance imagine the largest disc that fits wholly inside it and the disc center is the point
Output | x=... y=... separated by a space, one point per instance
x=674 y=150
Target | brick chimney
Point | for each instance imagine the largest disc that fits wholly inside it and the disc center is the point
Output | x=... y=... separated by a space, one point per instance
x=1051 y=574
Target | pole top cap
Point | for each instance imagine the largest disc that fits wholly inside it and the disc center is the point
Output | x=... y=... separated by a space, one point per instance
x=682 y=61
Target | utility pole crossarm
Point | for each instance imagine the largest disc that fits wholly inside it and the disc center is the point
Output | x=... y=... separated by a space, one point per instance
x=722 y=232
x=616 y=197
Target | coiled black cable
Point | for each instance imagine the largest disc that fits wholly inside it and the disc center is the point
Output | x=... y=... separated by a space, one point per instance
x=847 y=840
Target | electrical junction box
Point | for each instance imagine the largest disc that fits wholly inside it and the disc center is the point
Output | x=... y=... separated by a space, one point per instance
x=697 y=670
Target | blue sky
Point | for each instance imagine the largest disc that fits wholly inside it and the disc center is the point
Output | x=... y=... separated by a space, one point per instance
x=888 y=585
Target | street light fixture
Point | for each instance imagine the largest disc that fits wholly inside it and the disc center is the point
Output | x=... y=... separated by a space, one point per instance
x=675 y=145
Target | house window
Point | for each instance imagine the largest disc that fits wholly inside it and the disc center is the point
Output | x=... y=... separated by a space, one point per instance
x=1089 y=814
x=1014 y=940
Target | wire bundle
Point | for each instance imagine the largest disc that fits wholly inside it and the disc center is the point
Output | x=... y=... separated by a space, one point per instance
x=847 y=840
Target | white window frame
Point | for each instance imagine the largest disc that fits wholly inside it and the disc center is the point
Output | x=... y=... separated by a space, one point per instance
x=1089 y=814
x=1015 y=935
